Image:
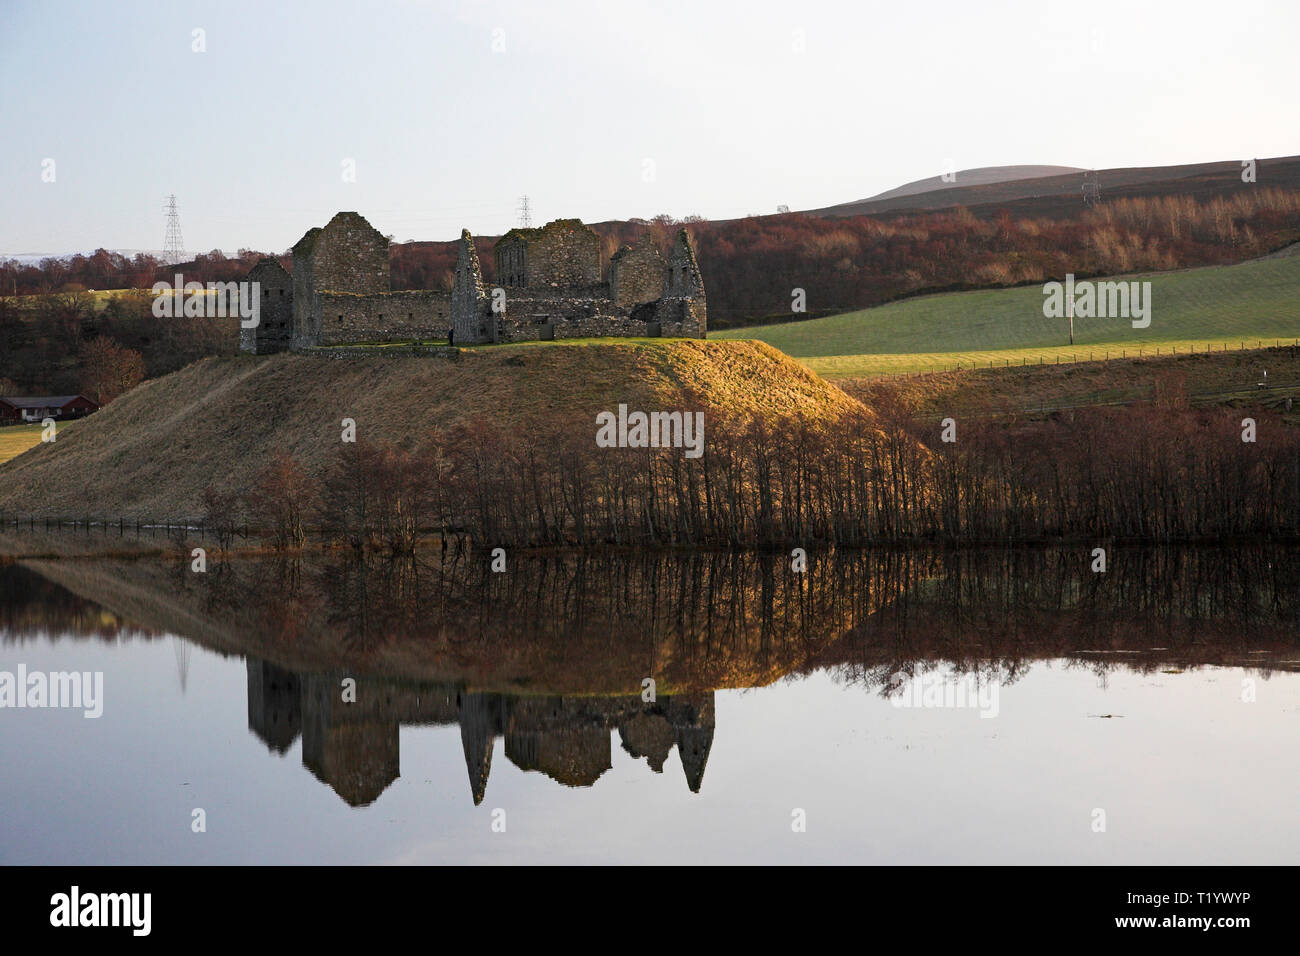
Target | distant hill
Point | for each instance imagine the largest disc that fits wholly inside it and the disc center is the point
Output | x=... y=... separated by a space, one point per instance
x=221 y=421
x=982 y=176
x=1059 y=195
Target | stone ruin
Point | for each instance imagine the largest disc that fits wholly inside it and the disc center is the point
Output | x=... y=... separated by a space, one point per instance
x=340 y=294
x=553 y=285
x=274 y=330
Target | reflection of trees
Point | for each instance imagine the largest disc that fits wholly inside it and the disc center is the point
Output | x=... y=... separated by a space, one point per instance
x=222 y=592
x=701 y=621
x=990 y=613
x=285 y=607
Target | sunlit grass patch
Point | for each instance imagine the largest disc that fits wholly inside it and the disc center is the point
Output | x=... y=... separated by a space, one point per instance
x=16 y=439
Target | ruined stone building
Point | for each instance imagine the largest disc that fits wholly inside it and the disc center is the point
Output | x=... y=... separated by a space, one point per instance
x=340 y=293
x=552 y=284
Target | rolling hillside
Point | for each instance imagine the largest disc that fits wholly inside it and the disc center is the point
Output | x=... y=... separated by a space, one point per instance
x=1199 y=308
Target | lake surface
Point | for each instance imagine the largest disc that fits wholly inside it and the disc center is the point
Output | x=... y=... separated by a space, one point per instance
x=991 y=707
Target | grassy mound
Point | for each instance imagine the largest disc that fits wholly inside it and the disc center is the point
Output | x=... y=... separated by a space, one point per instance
x=220 y=421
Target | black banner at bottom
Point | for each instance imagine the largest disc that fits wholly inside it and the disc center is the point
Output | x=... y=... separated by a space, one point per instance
x=303 y=904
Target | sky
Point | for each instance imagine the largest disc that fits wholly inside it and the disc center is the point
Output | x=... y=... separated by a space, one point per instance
x=266 y=118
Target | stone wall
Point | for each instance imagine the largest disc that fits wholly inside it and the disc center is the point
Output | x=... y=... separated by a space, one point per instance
x=682 y=305
x=510 y=254
x=531 y=316
x=543 y=327
x=384 y=317
x=679 y=317
x=646 y=296
x=468 y=295
x=562 y=254
x=352 y=351
x=304 y=289
x=347 y=255
x=274 y=330
x=350 y=255
x=683 y=278
x=636 y=274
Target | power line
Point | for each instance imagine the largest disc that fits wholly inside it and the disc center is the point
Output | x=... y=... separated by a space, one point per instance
x=525 y=217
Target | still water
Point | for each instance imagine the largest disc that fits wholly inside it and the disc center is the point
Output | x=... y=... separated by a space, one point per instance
x=1008 y=707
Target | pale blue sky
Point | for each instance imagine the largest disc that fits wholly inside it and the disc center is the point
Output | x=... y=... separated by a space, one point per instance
x=740 y=106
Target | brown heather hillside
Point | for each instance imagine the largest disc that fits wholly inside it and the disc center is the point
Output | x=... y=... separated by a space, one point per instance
x=1060 y=196
x=1202 y=380
x=221 y=421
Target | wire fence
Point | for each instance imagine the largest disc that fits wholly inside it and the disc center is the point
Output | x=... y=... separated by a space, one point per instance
x=106 y=526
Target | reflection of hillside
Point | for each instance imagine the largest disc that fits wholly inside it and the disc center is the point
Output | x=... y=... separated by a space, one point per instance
x=353 y=746
x=31 y=605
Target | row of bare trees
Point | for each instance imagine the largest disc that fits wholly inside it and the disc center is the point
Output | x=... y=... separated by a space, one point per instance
x=1150 y=474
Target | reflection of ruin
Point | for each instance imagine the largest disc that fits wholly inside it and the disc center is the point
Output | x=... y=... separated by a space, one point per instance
x=353 y=747
x=274 y=705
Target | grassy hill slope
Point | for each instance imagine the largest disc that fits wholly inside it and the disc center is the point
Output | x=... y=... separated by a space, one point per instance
x=1213 y=307
x=220 y=421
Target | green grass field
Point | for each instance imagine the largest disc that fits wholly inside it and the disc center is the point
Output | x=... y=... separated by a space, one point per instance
x=1212 y=308
x=16 y=439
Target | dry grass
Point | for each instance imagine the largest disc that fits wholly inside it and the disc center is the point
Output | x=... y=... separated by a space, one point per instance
x=218 y=422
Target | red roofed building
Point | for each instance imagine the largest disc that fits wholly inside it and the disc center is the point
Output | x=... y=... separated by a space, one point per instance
x=14 y=409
